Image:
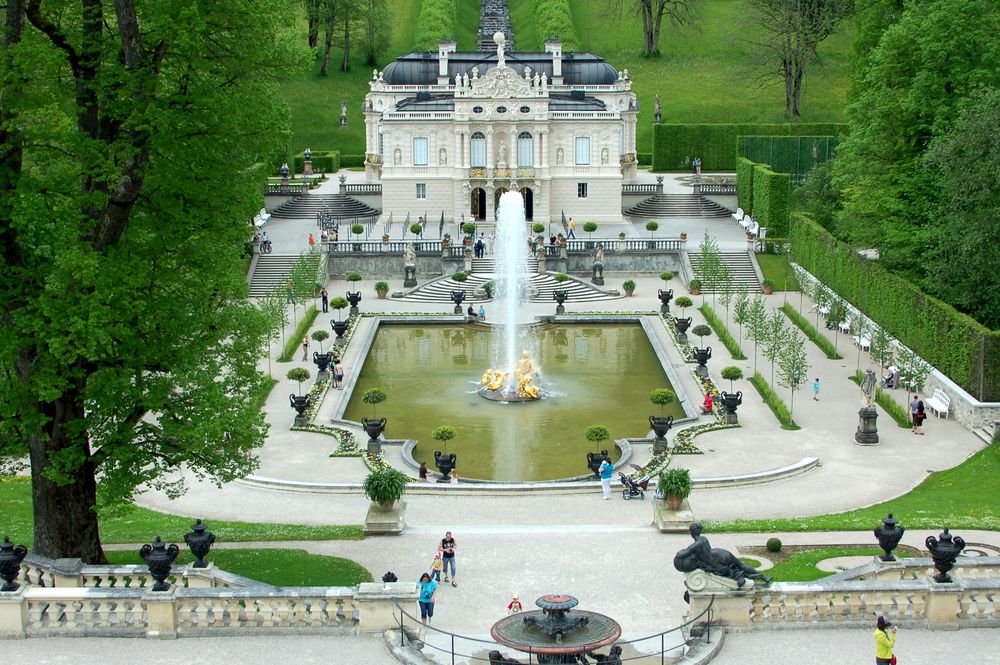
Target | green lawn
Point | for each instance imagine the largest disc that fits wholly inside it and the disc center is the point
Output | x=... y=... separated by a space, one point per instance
x=801 y=566
x=775 y=268
x=965 y=497
x=706 y=73
x=139 y=525
x=280 y=567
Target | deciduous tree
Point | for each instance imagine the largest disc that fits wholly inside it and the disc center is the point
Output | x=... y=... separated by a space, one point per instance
x=652 y=13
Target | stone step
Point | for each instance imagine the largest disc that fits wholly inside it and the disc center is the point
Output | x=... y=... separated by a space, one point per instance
x=677 y=205
x=439 y=290
x=739 y=264
x=271 y=270
x=338 y=205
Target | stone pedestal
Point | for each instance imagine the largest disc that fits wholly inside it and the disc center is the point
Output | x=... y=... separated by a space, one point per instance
x=867 y=432
x=307 y=169
x=672 y=521
x=374 y=446
x=285 y=183
x=598 y=275
x=377 y=604
x=943 y=605
x=732 y=418
x=701 y=370
x=467 y=260
x=385 y=522
x=732 y=602
x=682 y=338
x=409 y=277
x=201 y=578
x=560 y=309
x=301 y=420
x=660 y=445
x=161 y=613
x=13 y=613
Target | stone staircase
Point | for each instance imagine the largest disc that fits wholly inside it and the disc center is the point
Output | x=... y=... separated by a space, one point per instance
x=677 y=205
x=271 y=270
x=439 y=290
x=739 y=265
x=339 y=205
x=489 y=265
x=494 y=16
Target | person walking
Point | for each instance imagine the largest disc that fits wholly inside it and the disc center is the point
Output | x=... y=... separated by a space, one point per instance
x=571 y=225
x=312 y=241
x=885 y=641
x=436 y=567
x=448 y=557
x=338 y=375
x=428 y=596
x=816 y=389
x=914 y=403
x=324 y=294
x=919 y=417
x=605 y=471
x=305 y=347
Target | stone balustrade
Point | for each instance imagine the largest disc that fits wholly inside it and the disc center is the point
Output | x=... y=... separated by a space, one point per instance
x=902 y=591
x=66 y=598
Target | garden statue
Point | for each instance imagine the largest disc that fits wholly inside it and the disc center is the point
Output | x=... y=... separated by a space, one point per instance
x=867 y=432
x=599 y=254
x=658 y=110
x=343 y=114
x=889 y=535
x=944 y=550
x=409 y=266
x=598 y=268
x=700 y=555
x=409 y=255
x=868 y=388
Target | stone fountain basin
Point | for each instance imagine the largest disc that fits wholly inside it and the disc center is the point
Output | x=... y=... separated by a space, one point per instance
x=512 y=632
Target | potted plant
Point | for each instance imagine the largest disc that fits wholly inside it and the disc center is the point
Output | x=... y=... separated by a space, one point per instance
x=597 y=434
x=621 y=236
x=468 y=229
x=695 y=287
x=381 y=289
x=629 y=287
x=299 y=402
x=660 y=424
x=374 y=427
x=353 y=277
x=446 y=240
x=357 y=230
x=589 y=228
x=732 y=373
x=652 y=226
x=298 y=374
x=340 y=327
x=768 y=286
x=385 y=487
x=489 y=288
x=537 y=228
x=445 y=463
x=561 y=277
x=321 y=359
x=385 y=237
x=684 y=236
x=416 y=229
x=675 y=486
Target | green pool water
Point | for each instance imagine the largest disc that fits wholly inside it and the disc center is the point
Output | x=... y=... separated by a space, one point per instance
x=597 y=374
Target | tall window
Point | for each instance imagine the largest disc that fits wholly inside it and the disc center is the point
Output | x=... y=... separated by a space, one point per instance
x=478 y=147
x=420 y=151
x=581 y=190
x=421 y=190
x=582 y=150
x=525 y=150
x=381 y=142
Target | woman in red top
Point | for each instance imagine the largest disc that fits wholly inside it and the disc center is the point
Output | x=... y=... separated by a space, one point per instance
x=706 y=408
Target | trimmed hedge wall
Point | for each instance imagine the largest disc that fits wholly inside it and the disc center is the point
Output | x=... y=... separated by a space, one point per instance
x=554 y=19
x=435 y=23
x=772 y=193
x=674 y=146
x=795 y=155
x=963 y=349
x=744 y=184
x=350 y=161
x=644 y=158
x=323 y=162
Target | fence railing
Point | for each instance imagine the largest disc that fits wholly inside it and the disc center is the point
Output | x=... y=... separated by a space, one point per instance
x=364 y=188
x=394 y=247
x=717 y=188
x=290 y=188
x=638 y=189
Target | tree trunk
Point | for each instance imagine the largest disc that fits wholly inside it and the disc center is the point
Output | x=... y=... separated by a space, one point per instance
x=66 y=524
x=346 y=64
x=793 y=107
x=327 y=42
x=312 y=12
x=649 y=46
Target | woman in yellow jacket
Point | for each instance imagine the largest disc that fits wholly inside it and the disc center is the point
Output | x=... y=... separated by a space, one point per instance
x=885 y=641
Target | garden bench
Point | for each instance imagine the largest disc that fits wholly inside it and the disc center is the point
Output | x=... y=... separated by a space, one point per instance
x=939 y=403
x=738 y=215
x=261 y=218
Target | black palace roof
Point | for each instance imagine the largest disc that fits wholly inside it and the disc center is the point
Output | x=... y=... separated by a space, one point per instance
x=422 y=68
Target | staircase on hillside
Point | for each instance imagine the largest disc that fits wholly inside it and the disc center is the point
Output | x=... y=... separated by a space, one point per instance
x=542 y=285
x=339 y=205
x=677 y=205
x=271 y=270
x=489 y=265
x=740 y=266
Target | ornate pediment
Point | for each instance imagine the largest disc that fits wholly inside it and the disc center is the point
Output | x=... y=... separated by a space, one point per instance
x=502 y=83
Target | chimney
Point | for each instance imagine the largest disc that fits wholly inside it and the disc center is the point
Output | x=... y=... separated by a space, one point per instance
x=554 y=46
x=444 y=48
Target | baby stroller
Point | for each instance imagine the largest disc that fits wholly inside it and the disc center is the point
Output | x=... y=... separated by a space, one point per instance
x=631 y=488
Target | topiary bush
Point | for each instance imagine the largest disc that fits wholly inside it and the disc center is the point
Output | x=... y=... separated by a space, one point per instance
x=460 y=276
x=773 y=545
x=661 y=397
x=554 y=20
x=354 y=277
x=298 y=374
x=537 y=227
x=374 y=396
x=561 y=277
x=357 y=229
x=436 y=22
x=415 y=229
x=772 y=193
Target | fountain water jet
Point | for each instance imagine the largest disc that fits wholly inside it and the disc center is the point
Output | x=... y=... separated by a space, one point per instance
x=516 y=375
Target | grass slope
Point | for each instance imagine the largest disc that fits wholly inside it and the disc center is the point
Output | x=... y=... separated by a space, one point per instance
x=280 y=567
x=776 y=268
x=706 y=73
x=959 y=498
x=141 y=525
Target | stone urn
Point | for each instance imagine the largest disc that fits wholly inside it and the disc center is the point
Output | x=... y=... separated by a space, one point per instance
x=560 y=296
x=374 y=427
x=457 y=297
x=594 y=461
x=702 y=356
x=354 y=298
x=10 y=564
x=730 y=402
x=660 y=427
x=339 y=328
x=944 y=550
x=444 y=463
x=681 y=326
x=159 y=557
x=199 y=540
x=300 y=403
x=665 y=298
x=322 y=361
x=889 y=535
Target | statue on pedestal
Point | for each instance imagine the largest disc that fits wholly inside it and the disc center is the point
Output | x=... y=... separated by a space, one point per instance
x=658 y=110
x=724 y=570
x=409 y=266
x=867 y=432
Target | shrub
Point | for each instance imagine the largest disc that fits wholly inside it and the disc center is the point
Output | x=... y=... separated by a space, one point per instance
x=468 y=228
x=320 y=336
x=489 y=288
x=675 y=482
x=666 y=276
x=373 y=396
x=298 y=374
x=644 y=158
x=554 y=20
x=773 y=545
x=459 y=276
x=328 y=161
x=597 y=433
x=537 y=228
x=652 y=226
x=293 y=341
x=590 y=227
x=773 y=401
x=354 y=277
x=381 y=286
x=444 y=433
x=772 y=193
x=818 y=338
x=675 y=144
x=661 y=397
x=415 y=229
x=744 y=184
x=720 y=329
x=385 y=486
x=730 y=374
x=560 y=277
x=695 y=285
x=352 y=161
x=701 y=330
x=357 y=229
x=628 y=284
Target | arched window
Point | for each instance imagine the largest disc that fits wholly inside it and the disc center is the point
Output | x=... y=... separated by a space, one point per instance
x=478 y=148
x=525 y=150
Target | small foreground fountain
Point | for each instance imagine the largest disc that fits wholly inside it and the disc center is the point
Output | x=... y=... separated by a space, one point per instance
x=554 y=634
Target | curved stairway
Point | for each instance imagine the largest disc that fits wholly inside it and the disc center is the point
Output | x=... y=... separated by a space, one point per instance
x=677 y=205
x=740 y=268
x=439 y=290
x=339 y=205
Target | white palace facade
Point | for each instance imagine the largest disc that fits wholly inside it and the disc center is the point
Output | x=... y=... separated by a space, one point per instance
x=452 y=133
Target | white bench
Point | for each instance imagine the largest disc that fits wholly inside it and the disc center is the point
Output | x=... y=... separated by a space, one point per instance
x=738 y=215
x=939 y=403
x=261 y=218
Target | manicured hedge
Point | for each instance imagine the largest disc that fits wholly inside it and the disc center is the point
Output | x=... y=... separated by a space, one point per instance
x=744 y=184
x=674 y=146
x=351 y=161
x=554 y=19
x=323 y=162
x=795 y=155
x=644 y=158
x=435 y=23
x=963 y=349
x=771 y=195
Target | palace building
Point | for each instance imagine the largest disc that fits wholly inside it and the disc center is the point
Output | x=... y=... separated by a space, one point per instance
x=452 y=133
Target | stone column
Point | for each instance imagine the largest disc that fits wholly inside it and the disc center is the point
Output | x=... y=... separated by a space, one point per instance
x=13 y=613
x=491 y=213
x=161 y=613
x=544 y=140
x=512 y=161
x=537 y=158
x=943 y=604
x=377 y=604
x=489 y=154
x=459 y=160
x=732 y=608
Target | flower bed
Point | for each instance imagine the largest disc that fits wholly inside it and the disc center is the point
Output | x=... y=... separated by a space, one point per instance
x=376 y=462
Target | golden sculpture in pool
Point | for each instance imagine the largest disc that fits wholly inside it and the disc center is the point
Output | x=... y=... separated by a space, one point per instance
x=525 y=372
